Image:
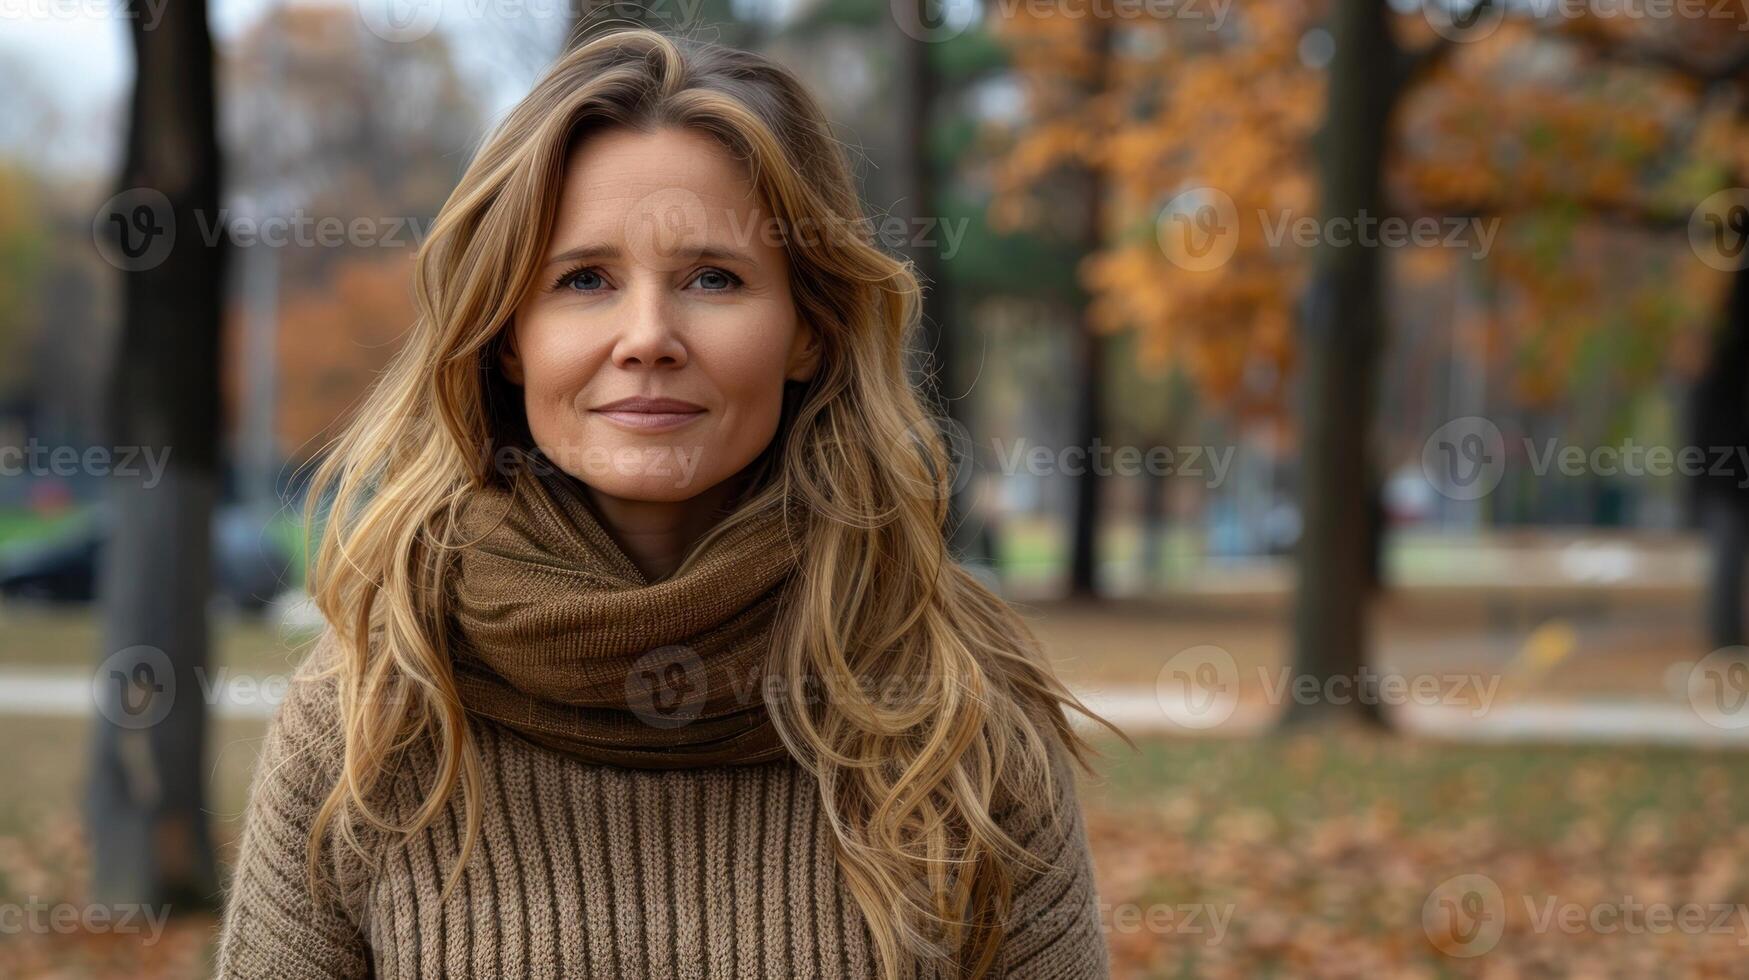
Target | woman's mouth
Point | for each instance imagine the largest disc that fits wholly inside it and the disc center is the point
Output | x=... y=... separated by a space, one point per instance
x=649 y=414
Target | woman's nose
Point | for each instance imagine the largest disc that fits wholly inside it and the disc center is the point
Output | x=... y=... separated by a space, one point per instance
x=649 y=335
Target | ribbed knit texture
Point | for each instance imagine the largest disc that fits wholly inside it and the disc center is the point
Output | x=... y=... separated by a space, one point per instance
x=595 y=871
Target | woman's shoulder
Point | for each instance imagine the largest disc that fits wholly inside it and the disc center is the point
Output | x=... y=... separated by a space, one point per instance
x=1038 y=802
x=309 y=710
x=304 y=748
x=308 y=730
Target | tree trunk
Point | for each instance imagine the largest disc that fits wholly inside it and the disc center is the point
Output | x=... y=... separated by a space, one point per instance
x=145 y=804
x=1342 y=332
x=938 y=339
x=1156 y=523
x=1718 y=424
x=1089 y=361
x=1089 y=424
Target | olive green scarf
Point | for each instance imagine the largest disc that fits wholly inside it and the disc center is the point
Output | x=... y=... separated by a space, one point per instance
x=563 y=639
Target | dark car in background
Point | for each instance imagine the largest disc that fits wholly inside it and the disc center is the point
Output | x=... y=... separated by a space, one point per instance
x=250 y=567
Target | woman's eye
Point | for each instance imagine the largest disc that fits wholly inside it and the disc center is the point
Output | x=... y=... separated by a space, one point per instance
x=717 y=279
x=581 y=280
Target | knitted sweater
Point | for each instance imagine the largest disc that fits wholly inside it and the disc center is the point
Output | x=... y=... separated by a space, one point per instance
x=597 y=871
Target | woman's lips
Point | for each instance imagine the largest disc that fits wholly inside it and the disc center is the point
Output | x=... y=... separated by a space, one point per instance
x=649 y=413
x=648 y=421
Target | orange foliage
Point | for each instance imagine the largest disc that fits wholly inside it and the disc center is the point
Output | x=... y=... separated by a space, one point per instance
x=1186 y=108
x=1568 y=132
x=332 y=341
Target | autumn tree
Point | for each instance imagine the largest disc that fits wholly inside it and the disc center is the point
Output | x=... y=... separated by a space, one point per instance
x=1346 y=110
x=1051 y=183
x=333 y=128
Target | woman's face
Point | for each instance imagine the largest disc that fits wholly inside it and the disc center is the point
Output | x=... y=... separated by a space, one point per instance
x=653 y=346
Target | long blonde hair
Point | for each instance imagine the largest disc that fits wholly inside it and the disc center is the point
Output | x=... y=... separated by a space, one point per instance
x=910 y=780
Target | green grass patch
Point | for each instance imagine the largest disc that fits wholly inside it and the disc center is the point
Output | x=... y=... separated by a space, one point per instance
x=21 y=526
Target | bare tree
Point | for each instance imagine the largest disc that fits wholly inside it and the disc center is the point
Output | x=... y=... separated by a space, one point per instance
x=145 y=806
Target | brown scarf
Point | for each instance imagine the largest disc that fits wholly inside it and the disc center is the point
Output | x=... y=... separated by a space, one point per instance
x=564 y=640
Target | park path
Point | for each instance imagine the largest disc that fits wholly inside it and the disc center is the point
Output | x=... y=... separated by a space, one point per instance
x=58 y=692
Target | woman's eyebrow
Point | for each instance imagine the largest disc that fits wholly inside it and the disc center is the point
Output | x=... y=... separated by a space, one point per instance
x=719 y=253
x=584 y=253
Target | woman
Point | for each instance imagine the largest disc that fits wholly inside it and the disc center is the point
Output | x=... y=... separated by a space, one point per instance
x=645 y=655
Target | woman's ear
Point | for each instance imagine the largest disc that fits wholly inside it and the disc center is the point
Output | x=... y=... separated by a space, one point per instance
x=804 y=355
x=508 y=359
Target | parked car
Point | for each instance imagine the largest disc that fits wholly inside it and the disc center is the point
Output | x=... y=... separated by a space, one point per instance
x=249 y=566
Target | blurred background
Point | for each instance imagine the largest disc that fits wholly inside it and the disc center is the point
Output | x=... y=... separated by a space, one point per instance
x=1353 y=394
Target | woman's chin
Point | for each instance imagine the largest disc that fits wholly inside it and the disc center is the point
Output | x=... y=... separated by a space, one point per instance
x=645 y=491
x=632 y=468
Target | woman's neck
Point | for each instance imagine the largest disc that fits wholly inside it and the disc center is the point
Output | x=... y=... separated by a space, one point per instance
x=657 y=534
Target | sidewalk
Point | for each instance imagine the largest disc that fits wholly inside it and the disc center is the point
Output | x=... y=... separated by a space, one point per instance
x=1529 y=564
x=1139 y=711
